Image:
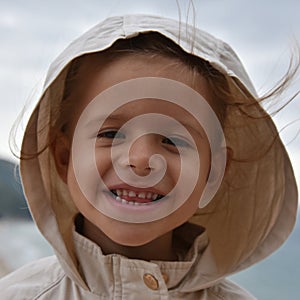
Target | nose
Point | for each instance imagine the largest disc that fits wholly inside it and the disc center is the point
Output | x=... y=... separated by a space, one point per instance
x=140 y=153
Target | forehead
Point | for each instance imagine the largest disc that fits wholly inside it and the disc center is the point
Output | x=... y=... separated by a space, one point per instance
x=155 y=111
x=99 y=73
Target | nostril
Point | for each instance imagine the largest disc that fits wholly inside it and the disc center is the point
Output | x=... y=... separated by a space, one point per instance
x=148 y=168
x=140 y=170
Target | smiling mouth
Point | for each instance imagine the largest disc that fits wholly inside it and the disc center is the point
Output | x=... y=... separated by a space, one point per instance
x=135 y=198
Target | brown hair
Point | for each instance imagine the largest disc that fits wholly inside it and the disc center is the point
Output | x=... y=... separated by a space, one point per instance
x=227 y=92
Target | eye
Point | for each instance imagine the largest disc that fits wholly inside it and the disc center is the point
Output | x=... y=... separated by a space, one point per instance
x=176 y=142
x=110 y=134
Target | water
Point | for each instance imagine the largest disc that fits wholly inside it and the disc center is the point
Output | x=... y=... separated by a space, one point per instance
x=276 y=278
x=21 y=243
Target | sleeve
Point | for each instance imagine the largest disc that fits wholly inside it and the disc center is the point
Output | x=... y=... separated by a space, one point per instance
x=31 y=280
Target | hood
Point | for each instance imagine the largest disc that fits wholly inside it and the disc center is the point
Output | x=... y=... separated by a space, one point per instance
x=255 y=208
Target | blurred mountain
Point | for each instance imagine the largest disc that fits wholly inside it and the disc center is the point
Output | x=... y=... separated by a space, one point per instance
x=12 y=200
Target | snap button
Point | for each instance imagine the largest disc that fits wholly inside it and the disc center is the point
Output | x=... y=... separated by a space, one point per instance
x=150 y=281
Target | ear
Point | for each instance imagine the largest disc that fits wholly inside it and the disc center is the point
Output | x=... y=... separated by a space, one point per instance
x=61 y=153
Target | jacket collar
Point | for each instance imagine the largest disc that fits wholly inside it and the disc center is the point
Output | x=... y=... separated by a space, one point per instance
x=101 y=272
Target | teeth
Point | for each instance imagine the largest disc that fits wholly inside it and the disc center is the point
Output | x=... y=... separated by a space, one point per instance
x=123 y=201
x=149 y=195
x=142 y=195
x=131 y=194
x=154 y=196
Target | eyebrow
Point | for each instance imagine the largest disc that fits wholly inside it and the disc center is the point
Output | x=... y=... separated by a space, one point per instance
x=121 y=117
x=117 y=117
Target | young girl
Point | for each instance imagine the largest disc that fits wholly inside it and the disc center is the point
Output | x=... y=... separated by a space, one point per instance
x=151 y=168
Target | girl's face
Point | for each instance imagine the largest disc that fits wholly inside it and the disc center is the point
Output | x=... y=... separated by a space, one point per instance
x=92 y=82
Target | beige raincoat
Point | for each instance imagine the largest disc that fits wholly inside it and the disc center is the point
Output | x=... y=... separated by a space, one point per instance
x=244 y=223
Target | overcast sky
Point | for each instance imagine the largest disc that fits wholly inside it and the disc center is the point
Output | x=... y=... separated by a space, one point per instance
x=34 y=32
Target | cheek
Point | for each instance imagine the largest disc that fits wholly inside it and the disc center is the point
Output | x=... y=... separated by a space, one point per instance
x=202 y=175
x=81 y=202
x=82 y=188
x=174 y=167
x=103 y=160
x=74 y=189
x=191 y=205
